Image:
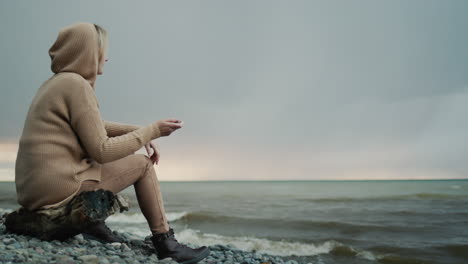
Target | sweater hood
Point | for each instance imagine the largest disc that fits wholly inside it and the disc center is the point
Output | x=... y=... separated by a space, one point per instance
x=76 y=49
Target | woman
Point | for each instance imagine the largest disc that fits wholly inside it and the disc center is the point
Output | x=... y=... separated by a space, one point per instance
x=67 y=148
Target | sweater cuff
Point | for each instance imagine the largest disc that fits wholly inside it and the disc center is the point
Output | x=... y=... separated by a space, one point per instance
x=156 y=131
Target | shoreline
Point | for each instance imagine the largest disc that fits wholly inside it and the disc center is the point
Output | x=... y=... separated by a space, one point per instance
x=26 y=249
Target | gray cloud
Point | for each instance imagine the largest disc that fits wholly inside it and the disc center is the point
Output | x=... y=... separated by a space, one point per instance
x=330 y=88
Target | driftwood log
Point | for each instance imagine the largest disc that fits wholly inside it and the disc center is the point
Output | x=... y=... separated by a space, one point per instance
x=68 y=220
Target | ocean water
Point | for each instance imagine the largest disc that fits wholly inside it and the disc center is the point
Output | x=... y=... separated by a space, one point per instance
x=312 y=221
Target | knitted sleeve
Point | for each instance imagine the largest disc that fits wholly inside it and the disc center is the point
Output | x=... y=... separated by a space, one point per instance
x=116 y=129
x=86 y=121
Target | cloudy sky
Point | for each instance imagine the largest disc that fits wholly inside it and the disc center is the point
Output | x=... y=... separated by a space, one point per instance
x=267 y=90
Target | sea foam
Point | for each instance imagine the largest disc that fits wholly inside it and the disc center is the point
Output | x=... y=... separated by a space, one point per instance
x=253 y=244
x=139 y=217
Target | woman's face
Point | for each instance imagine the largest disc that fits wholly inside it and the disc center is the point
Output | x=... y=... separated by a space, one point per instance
x=101 y=64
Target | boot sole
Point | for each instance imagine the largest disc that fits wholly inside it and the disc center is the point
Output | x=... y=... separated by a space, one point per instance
x=202 y=255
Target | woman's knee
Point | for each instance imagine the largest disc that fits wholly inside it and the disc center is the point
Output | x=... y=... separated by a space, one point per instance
x=141 y=160
x=125 y=172
x=145 y=162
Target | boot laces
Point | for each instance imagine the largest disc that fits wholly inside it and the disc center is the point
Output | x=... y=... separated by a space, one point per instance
x=172 y=236
x=182 y=245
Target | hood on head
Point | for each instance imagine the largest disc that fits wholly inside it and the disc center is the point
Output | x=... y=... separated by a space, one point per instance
x=76 y=50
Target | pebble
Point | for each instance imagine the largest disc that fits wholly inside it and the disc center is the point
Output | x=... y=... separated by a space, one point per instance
x=15 y=245
x=39 y=250
x=103 y=261
x=116 y=244
x=80 y=239
x=8 y=241
x=93 y=243
x=90 y=259
x=124 y=247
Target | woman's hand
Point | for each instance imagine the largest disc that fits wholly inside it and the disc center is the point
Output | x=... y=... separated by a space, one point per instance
x=155 y=157
x=167 y=126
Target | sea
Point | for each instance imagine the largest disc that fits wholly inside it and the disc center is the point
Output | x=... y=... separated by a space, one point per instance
x=420 y=221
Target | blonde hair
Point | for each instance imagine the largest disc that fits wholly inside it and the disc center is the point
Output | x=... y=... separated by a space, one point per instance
x=102 y=40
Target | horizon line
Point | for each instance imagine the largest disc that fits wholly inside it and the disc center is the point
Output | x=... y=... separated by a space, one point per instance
x=331 y=180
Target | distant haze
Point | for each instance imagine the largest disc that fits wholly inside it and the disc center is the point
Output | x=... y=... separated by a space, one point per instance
x=268 y=90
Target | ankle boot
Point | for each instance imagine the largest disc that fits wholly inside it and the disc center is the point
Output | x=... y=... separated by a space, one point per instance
x=166 y=245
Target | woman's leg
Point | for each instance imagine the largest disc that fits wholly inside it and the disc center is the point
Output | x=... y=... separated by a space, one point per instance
x=138 y=170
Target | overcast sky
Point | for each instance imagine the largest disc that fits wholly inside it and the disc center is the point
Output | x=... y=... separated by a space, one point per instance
x=278 y=90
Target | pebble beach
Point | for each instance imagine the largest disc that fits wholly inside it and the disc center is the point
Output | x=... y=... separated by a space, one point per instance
x=26 y=249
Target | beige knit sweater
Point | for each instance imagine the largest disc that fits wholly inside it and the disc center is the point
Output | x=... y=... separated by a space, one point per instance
x=64 y=139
